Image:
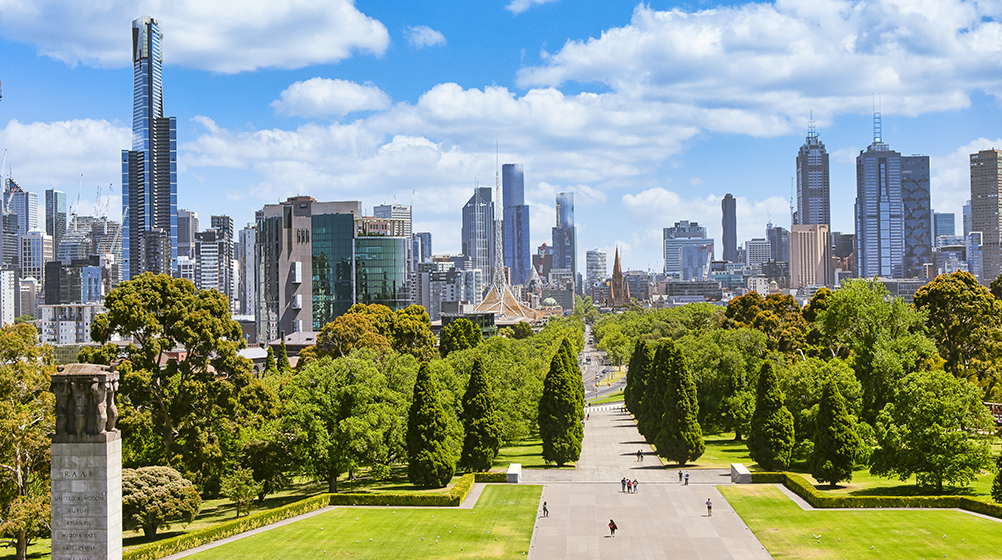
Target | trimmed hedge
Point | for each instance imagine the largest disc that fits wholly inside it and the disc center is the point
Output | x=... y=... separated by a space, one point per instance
x=166 y=547
x=490 y=477
x=803 y=488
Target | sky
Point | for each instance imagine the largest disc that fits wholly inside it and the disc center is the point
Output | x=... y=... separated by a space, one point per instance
x=650 y=113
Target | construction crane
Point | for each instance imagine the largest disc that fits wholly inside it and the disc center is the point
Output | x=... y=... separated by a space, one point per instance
x=107 y=250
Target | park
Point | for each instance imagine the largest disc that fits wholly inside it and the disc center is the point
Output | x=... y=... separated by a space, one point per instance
x=863 y=425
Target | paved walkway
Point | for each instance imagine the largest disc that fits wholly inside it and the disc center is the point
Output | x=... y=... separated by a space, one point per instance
x=663 y=520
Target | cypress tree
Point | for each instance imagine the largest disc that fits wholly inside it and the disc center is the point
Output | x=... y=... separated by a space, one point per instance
x=269 y=362
x=835 y=441
x=997 y=483
x=636 y=377
x=560 y=413
x=283 y=358
x=652 y=407
x=680 y=438
x=571 y=364
x=480 y=421
x=430 y=462
x=771 y=440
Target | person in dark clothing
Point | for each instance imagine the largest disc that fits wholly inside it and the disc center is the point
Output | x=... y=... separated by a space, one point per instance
x=612 y=527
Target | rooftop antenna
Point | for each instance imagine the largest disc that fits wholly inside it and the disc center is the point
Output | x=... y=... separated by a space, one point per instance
x=877 y=128
x=812 y=131
x=792 y=214
x=498 y=282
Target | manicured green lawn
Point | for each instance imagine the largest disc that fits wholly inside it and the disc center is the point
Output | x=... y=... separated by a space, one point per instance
x=499 y=527
x=790 y=532
x=615 y=397
x=528 y=452
x=722 y=450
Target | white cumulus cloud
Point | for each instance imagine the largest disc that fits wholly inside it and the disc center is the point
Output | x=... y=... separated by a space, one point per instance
x=226 y=36
x=518 y=6
x=323 y=97
x=421 y=36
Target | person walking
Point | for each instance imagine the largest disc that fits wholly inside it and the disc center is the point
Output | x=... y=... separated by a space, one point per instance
x=709 y=508
x=635 y=486
x=612 y=527
x=686 y=478
x=546 y=512
x=640 y=456
x=680 y=476
x=629 y=486
x=623 y=482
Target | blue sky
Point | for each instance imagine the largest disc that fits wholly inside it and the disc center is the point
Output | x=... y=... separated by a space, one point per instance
x=650 y=113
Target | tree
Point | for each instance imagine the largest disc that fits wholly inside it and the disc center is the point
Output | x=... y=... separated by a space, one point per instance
x=804 y=389
x=653 y=405
x=26 y=419
x=637 y=373
x=930 y=430
x=560 y=411
x=430 y=461
x=241 y=488
x=155 y=497
x=964 y=319
x=350 y=331
x=996 y=287
x=481 y=422
x=771 y=440
x=269 y=362
x=267 y=452
x=997 y=482
x=522 y=330
x=835 y=441
x=461 y=334
x=411 y=333
x=680 y=438
x=174 y=405
x=283 y=358
x=340 y=410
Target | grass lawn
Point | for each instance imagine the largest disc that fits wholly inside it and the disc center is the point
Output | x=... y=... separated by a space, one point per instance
x=499 y=527
x=528 y=452
x=615 y=397
x=789 y=532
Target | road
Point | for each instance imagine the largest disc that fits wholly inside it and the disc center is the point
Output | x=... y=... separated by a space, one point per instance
x=591 y=373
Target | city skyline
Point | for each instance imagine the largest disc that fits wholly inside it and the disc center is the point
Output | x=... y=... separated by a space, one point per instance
x=412 y=103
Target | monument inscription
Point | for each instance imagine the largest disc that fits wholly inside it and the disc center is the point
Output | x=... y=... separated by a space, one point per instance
x=86 y=465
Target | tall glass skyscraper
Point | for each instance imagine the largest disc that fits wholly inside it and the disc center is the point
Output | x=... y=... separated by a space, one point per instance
x=515 y=236
x=477 y=234
x=813 y=200
x=149 y=169
x=565 y=235
x=729 y=223
x=55 y=215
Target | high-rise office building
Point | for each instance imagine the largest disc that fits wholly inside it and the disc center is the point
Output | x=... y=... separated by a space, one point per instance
x=515 y=223
x=813 y=199
x=986 y=209
x=422 y=245
x=943 y=224
x=7 y=292
x=564 y=236
x=729 y=208
x=187 y=227
x=55 y=215
x=213 y=256
x=477 y=235
x=967 y=218
x=811 y=256
x=683 y=233
x=892 y=211
x=596 y=268
x=381 y=272
x=36 y=250
x=149 y=169
x=22 y=203
x=399 y=212
x=9 y=250
x=779 y=242
x=245 y=265
x=757 y=251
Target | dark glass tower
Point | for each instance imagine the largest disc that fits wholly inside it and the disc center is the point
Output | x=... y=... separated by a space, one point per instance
x=729 y=207
x=478 y=231
x=565 y=235
x=515 y=239
x=813 y=200
x=55 y=215
x=149 y=169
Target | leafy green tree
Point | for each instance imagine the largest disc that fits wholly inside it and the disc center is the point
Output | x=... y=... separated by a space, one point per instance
x=835 y=441
x=964 y=319
x=155 y=497
x=267 y=452
x=996 y=287
x=270 y=366
x=481 y=423
x=560 y=410
x=930 y=430
x=461 y=334
x=26 y=419
x=804 y=389
x=997 y=482
x=637 y=374
x=522 y=330
x=282 y=362
x=350 y=331
x=412 y=333
x=23 y=319
x=340 y=410
x=430 y=461
x=680 y=438
x=174 y=406
x=241 y=489
x=771 y=440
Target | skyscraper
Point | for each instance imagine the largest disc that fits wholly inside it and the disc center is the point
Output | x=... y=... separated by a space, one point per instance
x=779 y=242
x=684 y=233
x=813 y=204
x=187 y=227
x=729 y=208
x=943 y=224
x=422 y=246
x=892 y=211
x=565 y=235
x=811 y=256
x=967 y=218
x=22 y=203
x=515 y=221
x=986 y=209
x=149 y=169
x=596 y=268
x=478 y=231
x=55 y=215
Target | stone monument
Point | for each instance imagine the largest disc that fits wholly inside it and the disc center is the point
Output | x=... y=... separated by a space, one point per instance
x=86 y=465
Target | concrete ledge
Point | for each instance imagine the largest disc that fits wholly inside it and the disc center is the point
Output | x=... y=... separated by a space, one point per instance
x=514 y=475
x=739 y=474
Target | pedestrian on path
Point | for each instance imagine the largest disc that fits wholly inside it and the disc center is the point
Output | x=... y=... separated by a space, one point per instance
x=640 y=456
x=612 y=527
x=634 y=486
x=546 y=512
x=623 y=482
x=629 y=486
x=709 y=508
x=680 y=476
x=686 y=478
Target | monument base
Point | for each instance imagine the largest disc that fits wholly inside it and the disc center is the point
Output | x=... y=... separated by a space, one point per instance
x=87 y=500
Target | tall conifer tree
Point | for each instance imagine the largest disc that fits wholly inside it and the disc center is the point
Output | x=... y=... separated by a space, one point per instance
x=652 y=407
x=283 y=358
x=560 y=411
x=637 y=374
x=835 y=442
x=480 y=421
x=771 y=439
x=680 y=438
x=430 y=462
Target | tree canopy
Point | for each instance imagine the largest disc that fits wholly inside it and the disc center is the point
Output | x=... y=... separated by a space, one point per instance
x=155 y=497
x=481 y=423
x=430 y=461
x=461 y=334
x=772 y=434
x=679 y=438
x=835 y=439
x=561 y=412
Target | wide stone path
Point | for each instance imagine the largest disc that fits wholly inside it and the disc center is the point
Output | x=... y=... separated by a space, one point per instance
x=663 y=520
